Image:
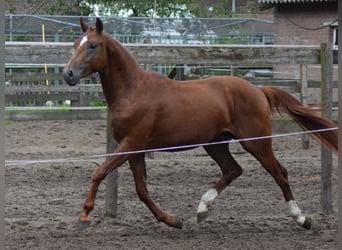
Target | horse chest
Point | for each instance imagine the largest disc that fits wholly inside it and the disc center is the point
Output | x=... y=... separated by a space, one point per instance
x=124 y=122
x=120 y=121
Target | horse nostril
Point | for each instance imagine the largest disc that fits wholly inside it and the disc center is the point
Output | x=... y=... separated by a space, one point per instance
x=70 y=73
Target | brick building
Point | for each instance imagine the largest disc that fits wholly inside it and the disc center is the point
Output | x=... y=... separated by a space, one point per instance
x=304 y=22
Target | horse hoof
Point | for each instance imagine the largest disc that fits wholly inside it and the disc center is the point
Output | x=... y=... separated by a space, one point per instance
x=83 y=224
x=307 y=223
x=202 y=216
x=178 y=223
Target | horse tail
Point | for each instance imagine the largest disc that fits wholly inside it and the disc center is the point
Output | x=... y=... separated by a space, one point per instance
x=283 y=102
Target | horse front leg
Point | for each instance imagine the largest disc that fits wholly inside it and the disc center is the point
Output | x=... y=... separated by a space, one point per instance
x=97 y=177
x=138 y=167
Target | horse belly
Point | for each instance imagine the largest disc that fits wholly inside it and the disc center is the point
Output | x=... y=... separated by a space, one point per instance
x=189 y=126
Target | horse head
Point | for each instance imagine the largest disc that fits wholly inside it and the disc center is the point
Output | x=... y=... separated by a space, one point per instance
x=89 y=53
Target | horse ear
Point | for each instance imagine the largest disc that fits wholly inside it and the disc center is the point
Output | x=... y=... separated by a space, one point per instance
x=99 y=25
x=84 y=26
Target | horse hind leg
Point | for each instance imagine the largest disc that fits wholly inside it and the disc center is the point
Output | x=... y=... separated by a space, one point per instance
x=230 y=171
x=262 y=151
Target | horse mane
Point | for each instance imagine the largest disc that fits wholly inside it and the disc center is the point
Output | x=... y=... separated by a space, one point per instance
x=113 y=46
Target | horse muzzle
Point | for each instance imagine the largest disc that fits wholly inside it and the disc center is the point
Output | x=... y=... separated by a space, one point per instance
x=71 y=77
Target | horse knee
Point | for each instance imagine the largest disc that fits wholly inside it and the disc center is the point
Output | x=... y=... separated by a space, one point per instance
x=96 y=177
x=142 y=194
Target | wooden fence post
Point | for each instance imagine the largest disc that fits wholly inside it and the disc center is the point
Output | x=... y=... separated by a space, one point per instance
x=303 y=72
x=111 y=185
x=326 y=100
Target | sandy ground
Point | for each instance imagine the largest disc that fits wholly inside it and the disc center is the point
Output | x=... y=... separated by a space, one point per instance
x=43 y=200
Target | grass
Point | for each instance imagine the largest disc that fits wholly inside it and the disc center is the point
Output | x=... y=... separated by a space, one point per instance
x=7 y=122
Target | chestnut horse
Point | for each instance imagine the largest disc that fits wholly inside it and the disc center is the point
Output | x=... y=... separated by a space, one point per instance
x=150 y=111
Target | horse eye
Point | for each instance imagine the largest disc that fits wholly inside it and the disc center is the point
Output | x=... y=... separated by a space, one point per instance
x=92 y=45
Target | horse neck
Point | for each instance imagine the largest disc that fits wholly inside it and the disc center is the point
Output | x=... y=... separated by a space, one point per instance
x=120 y=72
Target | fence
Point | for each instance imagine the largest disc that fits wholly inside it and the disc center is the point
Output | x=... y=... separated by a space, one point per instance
x=56 y=54
x=137 y=29
x=29 y=83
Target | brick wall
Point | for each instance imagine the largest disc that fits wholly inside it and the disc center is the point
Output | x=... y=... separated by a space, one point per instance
x=310 y=15
x=287 y=19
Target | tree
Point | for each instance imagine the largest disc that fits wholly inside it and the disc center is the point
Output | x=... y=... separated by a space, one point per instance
x=162 y=8
x=46 y=7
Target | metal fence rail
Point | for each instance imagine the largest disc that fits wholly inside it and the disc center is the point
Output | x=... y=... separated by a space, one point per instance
x=140 y=30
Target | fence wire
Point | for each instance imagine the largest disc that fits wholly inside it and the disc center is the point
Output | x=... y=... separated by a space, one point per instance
x=143 y=30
